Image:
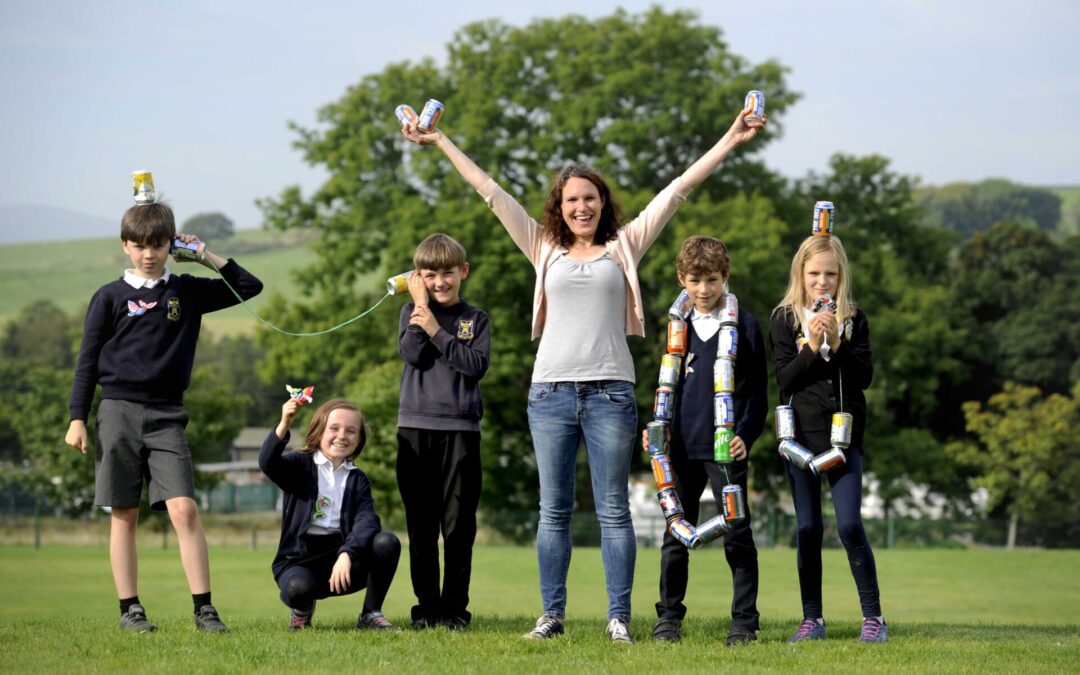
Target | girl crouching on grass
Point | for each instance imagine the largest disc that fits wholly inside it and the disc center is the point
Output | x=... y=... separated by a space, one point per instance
x=331 y=540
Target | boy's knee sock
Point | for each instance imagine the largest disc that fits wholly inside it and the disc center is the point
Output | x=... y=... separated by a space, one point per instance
x=200 y=600
x=126 y=603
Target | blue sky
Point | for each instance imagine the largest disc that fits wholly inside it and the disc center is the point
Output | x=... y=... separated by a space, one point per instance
x=201 y=92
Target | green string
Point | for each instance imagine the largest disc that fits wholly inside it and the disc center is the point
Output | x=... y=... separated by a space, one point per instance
x=271 y=326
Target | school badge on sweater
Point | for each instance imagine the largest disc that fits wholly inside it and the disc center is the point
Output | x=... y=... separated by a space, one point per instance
x=465 y=330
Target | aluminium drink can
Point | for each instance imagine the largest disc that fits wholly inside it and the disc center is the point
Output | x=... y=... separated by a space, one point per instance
x=143 y=187
x=796 y=454
x=662 y=472
x=405 y=114
x=827 y=460
x=676 y=336
x=670 y=504
x=670 y=367
x=755 y=103
x=722 y=438
x=658 y=435
x=785 y=422
x=675 y=312
x=728 y=345
x=182 y=250
x=840 y=434
x=664 y=404
x=429 y=116
x=734 y=503
x=399 y=284
x=729 y=312
x=713 y=528
x=825 y=302
x=687 y=535
x=723 y=376
x=723 y=409
x=824 y=212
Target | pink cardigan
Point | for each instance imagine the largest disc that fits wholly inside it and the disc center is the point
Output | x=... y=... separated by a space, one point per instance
x=627 y=249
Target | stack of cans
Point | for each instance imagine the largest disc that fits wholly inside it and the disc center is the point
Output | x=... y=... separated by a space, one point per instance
x=727 y=349
x=659 y=430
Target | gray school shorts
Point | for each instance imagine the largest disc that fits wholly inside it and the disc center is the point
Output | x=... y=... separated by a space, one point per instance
x=140 y=442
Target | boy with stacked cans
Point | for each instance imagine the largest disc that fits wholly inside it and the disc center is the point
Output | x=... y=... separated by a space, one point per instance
x=703 y=267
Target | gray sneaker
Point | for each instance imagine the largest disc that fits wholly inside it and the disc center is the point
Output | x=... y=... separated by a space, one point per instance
x=874 y=630
x=135 y=620
x=375 y=620
x=547 y=626
x=618 y=631
x=208 y=621
x=810 y=629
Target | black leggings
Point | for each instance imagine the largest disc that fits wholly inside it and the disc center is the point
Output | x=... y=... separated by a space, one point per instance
x=845 y=483
x=308 y=580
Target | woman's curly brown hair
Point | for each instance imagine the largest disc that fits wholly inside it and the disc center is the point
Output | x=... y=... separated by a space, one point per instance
x=555 y=228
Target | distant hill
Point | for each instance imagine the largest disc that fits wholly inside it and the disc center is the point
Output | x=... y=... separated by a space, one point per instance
x=36 y=222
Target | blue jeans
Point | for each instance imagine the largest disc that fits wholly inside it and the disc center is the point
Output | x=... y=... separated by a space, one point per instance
x=561 y=414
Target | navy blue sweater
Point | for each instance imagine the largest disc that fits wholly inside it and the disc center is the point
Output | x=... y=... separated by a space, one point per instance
x=297 y=476
x=146 y=355
x=693 y=427
x=440 y=383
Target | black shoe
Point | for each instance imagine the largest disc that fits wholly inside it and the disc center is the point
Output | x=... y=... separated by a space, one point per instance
x=135 y=620
x=740 y=636
x=456 y=623
x=423 y=623
x=208 y=621
x=667 y=630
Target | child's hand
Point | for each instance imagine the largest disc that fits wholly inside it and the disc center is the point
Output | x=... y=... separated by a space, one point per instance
x=417 y=289
x=412 y=133
x=738 y=449
x=645 y=440
x=76 y=435
x=340 y=576
x=423 y=317
x=288 y=413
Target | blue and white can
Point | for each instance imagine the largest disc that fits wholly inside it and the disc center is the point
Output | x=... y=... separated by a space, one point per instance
x=723 y=409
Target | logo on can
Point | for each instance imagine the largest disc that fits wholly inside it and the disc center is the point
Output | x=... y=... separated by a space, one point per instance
x=734 y=503
x=824 y=212
x=670 y=367
x=728 y=342
x=143 y=187
x=785 y=422
x=399 y=284
x=723 y=409
x=827 y=460
x=664 y=404
x=658 y=434
x=682 y=530
x=405 y=114
x=713 y=528
x=670 y=504
x=662 y=472
x=675 y=312
x=840 y=434
x=187 y=250
x=722 y=444
x=429 y=116
x=676 y=336
x=723 y=376
x=755 y=103
x=796 y=453
x=729 y=313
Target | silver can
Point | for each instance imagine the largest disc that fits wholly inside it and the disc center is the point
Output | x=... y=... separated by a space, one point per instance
x=824 y=213
x=785 y=422
x=713 y=529
x=723 y=376
x=827 y=460
x=729 y=313
x=670 y=504
x=728 y=345
x=723 y=410
x=840 y=434
x=755 y=103
x=670 y=367
x=734 y=503
x=658 y=434
x=796 y=453
x=405 y=114
x=682 y=530
x=675 y=312
x=429 y=116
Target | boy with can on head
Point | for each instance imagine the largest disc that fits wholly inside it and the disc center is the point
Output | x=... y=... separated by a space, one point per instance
x=139 y=344
x=446 y=346
x=703 y=268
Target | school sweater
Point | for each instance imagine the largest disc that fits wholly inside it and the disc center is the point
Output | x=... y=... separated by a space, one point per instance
x=693 y=424
x=298 y=478
x=440 y=382
x=139 y=344
x=812 y=384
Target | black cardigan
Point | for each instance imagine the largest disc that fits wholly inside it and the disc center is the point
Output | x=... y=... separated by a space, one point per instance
x=812 y=384
x=297 y=476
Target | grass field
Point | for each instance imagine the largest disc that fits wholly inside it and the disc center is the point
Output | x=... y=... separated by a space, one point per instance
x=69 y=272
x=951 y=611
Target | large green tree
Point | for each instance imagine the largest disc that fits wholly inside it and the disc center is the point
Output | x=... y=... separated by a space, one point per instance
x=967 y=208
x=638 y=96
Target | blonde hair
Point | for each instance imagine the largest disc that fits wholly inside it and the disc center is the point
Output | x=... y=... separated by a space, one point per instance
x=796 y=298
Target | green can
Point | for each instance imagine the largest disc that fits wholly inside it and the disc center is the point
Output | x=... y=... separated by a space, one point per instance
x=722 y=438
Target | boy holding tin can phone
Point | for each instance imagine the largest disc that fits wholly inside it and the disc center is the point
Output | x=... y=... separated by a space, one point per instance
x=821 y=350
x=724 y=381
x=138 y=343
x=446 y=345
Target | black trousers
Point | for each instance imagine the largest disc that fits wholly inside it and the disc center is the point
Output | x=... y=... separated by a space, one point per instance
x=439 y=478
x=308 y=579
x=690 y=478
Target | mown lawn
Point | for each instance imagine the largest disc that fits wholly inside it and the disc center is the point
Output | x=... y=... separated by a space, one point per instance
x=978 y=610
